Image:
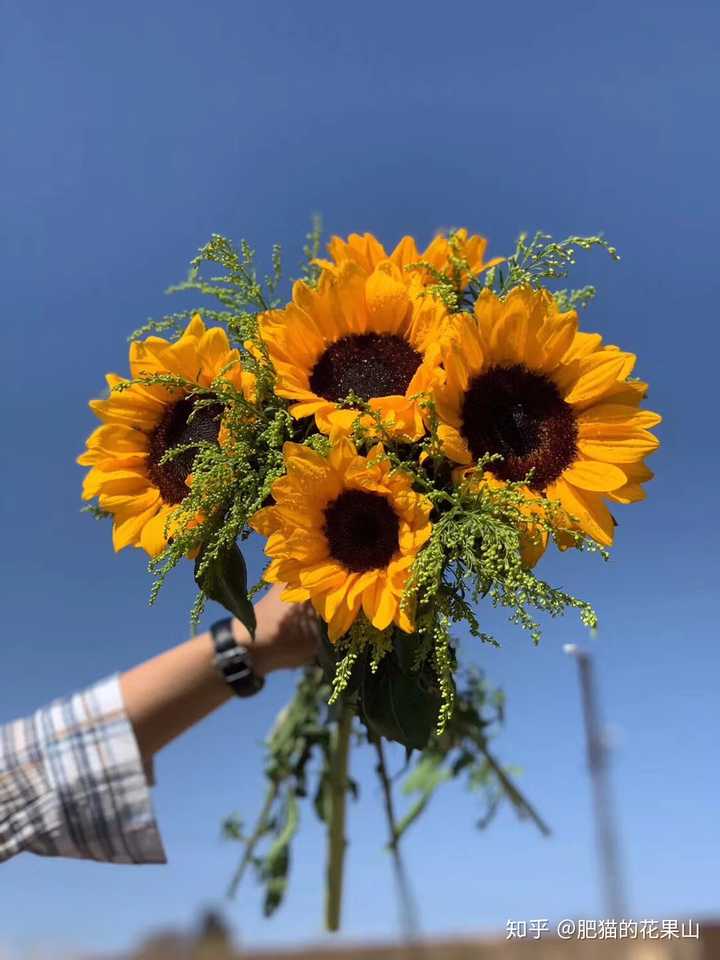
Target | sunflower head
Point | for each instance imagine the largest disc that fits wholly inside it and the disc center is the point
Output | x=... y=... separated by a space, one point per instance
x=343 y=533
x=142 y=420
x=367 y=252
x=356 y=335
x=553 y=405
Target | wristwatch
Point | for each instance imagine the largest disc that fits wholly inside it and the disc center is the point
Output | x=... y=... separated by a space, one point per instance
x=233 y=661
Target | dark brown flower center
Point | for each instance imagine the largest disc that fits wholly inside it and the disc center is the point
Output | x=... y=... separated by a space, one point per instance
x=362 y=530
x=367 y=364
x=174 y=430
x=520 y=415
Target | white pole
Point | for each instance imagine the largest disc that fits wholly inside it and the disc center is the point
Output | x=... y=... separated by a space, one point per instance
x=608 y=844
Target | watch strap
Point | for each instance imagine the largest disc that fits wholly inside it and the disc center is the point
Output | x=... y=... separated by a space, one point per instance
x=234 y=661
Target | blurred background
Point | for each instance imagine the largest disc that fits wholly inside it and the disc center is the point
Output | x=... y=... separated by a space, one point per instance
x=133 y=131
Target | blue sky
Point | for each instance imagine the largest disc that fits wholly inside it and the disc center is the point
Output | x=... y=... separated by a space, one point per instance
x=133 y=131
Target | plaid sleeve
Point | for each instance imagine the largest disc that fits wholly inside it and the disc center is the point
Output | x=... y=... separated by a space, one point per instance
x=72 y=783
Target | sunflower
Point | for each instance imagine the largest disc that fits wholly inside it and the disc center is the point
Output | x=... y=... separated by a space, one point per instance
x=554 y=403
x=141 y=422
x=343 y=533
x=356 y=333
x=367 y=252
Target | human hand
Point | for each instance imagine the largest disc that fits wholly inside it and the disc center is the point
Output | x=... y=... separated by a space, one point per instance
x=287 y=634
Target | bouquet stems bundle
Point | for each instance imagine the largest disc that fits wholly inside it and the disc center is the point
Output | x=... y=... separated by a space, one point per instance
x=409 y=432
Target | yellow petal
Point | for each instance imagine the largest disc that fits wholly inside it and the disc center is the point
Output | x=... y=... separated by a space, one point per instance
x=117 y=481
x=308 y=408
x=619 y=446
x=152 y=537
x=387 y=299
x=324 y=575
x=509 y=339
x=582 y=345
x=196 y=327
x=127 y=529
x=360 y=584
x=134 y=406
x=630 y=493
x=304 y=463
x=123 y=504
x=363 y=249
x=616 y=414
x=454 y=445
x=342 y=452
x=592 y=475
x=533 y=543
x=342 y=621
x=307 y=546
x=557 y=339
x=214 y=352
x=588 y=510
x=295 y=595
x=333 y=599
x=180 y=359
x=595 y=375
x=406 y=252
x=114 y=439
x=467 y=351
x=400 y=416
x=379 y=604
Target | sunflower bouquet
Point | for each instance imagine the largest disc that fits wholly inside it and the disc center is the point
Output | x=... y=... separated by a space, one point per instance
x=409 y=432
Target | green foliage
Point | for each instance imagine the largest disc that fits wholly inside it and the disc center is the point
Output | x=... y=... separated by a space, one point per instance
x=476 y=550
x=475 y=553
x=301 y=735
x=536 y=262
x=298 y=770
x=309 y=270
x=238 y=289
x=540 y=260
x=575 y=299
x=450 y=287
x=462 y=751
x=403 y=687
x=230 y=483
x=223 y=578
x=399 y=704
x=95 y=511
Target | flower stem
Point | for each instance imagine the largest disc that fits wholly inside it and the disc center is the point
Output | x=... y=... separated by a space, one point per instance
x=336 y=825
x=408 y=909
x=253 y=841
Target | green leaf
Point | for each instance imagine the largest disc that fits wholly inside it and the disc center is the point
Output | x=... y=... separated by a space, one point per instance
x=327 y=653
x=427 y=776
x=321 y=800
x=399 y=706
x=405 y=647
x=224 y=579
x=276 y=866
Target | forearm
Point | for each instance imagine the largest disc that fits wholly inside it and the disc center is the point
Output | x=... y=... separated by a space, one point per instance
x=73 y=777
x=167 y=695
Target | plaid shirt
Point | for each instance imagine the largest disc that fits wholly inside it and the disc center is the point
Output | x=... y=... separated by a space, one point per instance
x=72 y=783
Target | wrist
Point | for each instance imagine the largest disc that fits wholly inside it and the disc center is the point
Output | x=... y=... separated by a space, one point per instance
x=262 y=652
